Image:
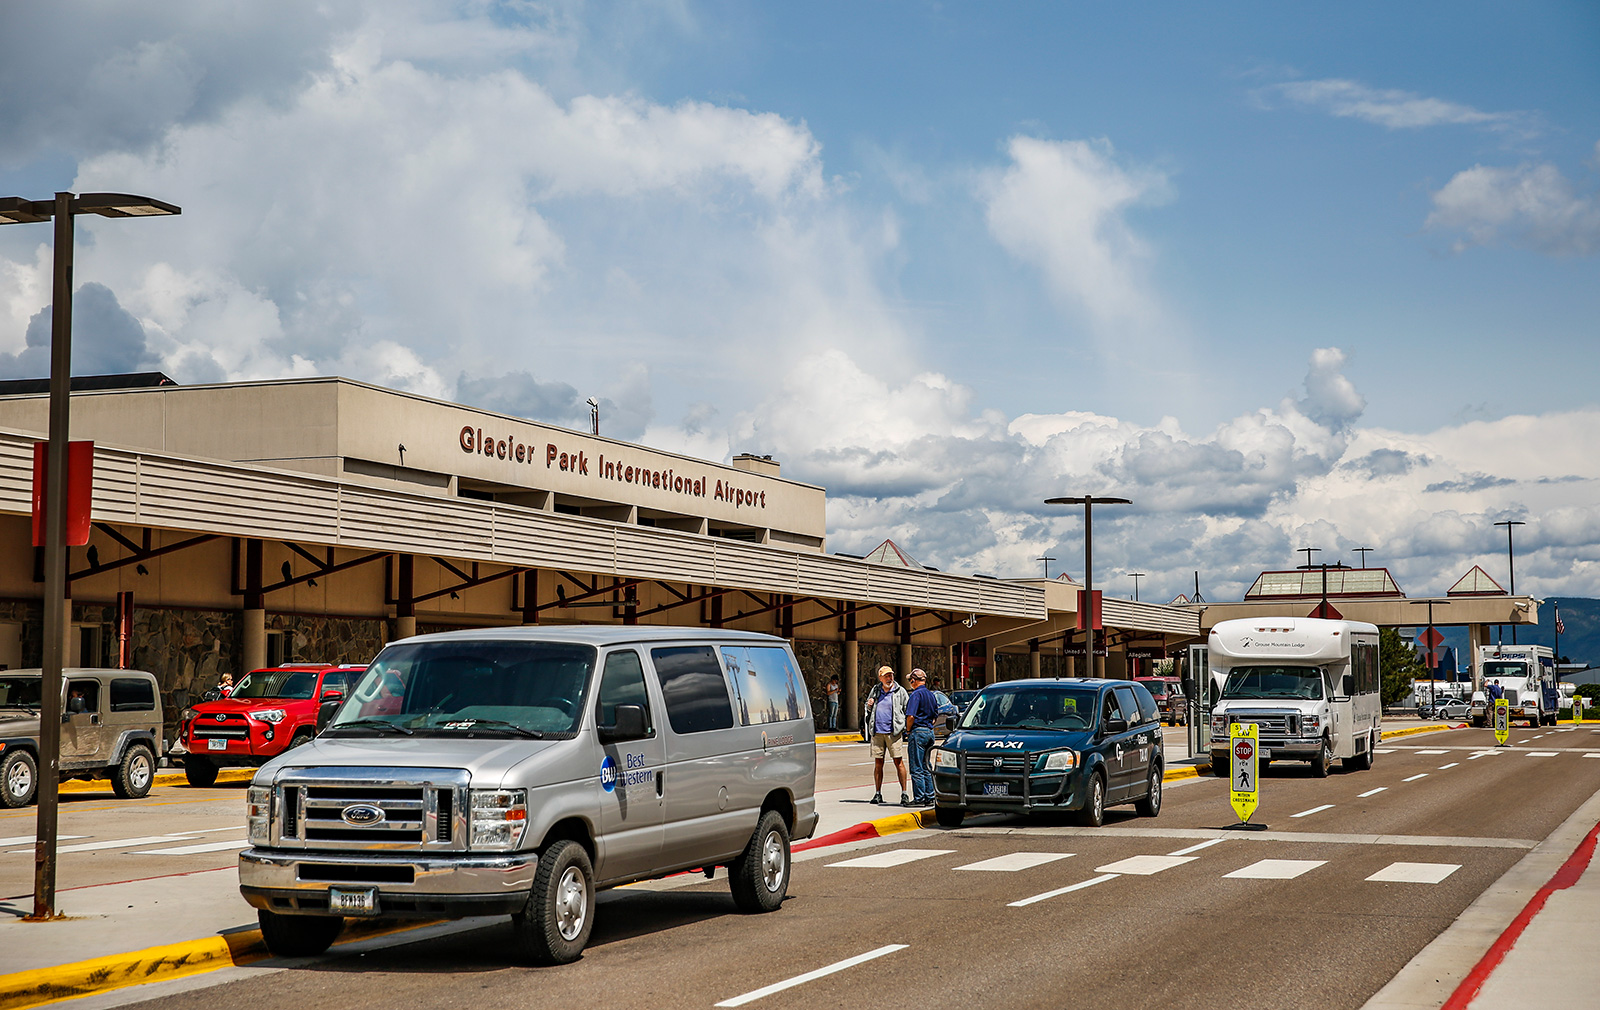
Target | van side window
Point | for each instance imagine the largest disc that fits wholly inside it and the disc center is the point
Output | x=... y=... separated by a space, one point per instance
x=622 y=683
x=1147 y=705
x=1129 y=706
x=693 y=688
x=766 y=685
x=129 y=694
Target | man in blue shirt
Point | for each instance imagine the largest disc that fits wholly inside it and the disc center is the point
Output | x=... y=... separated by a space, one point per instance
x=922 y=708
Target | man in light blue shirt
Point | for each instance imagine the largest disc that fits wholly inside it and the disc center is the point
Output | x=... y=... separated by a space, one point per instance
x=885 y=715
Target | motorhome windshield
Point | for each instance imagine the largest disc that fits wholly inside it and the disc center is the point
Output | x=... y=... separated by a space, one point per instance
x=1030 y=707
x=1247 y=682
x=1501 y=668
x=528 y=689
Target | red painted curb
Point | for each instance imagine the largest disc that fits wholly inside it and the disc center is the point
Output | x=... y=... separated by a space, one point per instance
x=854 y=833
x=1563 y=878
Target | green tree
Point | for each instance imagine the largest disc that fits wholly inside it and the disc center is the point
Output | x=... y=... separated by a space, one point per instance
x=1399 y=664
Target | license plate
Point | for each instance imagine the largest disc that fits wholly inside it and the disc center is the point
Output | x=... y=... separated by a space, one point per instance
x=997 y=789
x=1263 y=753
x=353 y=901
x=217 y=743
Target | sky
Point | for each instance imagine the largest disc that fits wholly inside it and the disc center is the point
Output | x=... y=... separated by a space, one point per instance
x=1284 y=275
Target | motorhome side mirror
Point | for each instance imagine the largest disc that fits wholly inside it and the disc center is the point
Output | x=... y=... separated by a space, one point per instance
x=629 y=725
x=1347 y=686
x=1116 y=725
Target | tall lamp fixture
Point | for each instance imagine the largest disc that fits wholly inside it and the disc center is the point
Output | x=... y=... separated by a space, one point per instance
x=1511 y=565
x=1136 y=576
x=63 y=209
x=1088 y=502
x=1433 y=677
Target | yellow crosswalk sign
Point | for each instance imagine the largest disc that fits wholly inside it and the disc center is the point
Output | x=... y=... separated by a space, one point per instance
x=1244 y=785
x=1502 y=721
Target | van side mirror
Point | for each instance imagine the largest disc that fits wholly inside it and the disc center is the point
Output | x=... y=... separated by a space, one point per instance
x=1116 y=725
x=630 y=725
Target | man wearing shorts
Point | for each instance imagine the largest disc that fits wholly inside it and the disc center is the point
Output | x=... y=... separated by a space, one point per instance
x=886 y=716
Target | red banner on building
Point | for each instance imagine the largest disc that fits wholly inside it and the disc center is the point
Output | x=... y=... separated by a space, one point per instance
x=80 y=491
x=1093 y=608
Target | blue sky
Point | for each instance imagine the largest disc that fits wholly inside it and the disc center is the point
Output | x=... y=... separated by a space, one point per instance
x=1286 y=275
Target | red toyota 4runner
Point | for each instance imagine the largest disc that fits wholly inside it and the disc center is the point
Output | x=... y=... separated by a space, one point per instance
x=269 y=712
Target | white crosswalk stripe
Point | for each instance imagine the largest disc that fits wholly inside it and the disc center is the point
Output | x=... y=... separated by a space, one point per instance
x=1276 y=869
x=119 y=843
x=1080 y=885
x=1144 y=866
x=1431 y=752
x=29 y=839
x=1415 y=873
x=893 y=857
x=1016 y=861
x=1541 y=753
x=185 y=850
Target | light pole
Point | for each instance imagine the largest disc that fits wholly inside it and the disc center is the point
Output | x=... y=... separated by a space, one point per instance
x=1363 y=551
x=1136 y=576
x=1428 y=640
x=1511 y=565
x=65 y=207
x=1088 y=502
x=1046 y=559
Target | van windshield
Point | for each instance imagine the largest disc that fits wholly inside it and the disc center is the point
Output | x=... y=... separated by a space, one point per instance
x=528 y=689
x=1246 y=682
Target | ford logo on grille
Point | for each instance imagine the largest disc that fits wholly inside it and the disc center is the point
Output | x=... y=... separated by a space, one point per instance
x=362 y=815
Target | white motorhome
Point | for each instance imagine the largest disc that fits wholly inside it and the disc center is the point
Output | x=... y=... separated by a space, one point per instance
x=1527 y=678
x=1311 y=686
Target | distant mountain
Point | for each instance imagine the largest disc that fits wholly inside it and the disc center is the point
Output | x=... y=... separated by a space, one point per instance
x=1580 y=643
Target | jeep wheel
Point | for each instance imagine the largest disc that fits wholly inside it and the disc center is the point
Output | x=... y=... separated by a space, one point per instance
x=554 y=925
x=1093 y=814
x=759 y=878
x=199 y=771
x=949 y=817
x=131 y=779
x=18 y=779
x=1150 y=806
x=1323 y=761
x=298 y=935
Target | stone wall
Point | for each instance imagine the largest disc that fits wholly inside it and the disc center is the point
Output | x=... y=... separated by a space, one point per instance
x=310 y=638
x=818 y=662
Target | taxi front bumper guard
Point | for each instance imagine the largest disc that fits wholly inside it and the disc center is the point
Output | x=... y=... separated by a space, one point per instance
x=1012 y=768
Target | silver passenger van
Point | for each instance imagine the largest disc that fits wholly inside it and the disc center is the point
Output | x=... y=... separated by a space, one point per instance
x=518 y=770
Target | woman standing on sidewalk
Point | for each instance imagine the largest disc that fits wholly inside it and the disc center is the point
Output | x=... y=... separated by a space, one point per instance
x=832 y=691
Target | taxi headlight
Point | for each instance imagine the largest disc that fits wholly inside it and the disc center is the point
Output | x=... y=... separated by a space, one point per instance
x=272 y=715
x=499 y=818
x=258 y=812
x=1061 y=761
x=944 y=758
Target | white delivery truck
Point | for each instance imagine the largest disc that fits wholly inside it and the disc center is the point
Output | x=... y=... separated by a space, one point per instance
x=1311 y=686
x=1527 y=678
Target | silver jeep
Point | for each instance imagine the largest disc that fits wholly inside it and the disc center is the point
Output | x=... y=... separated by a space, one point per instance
x=110 y=729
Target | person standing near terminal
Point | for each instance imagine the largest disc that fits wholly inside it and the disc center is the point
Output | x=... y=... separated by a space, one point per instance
x=922 y=708
x=885 y=718
x=832 y=691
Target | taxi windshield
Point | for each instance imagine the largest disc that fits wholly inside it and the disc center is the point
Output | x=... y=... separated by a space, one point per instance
x=1032 y=706
x=296 y=685
x=479 y=688
x=1249 y=682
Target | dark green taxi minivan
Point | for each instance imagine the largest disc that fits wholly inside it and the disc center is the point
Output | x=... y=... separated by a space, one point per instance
x=1032 y=746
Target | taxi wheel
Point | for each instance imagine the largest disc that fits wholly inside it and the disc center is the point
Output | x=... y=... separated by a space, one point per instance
x=1219 y=764
x=554 y=926
x=199 y=771
x=1323 y=761
x=131 y=779
x=1150 y=806
x=18 y=779
x=298 y=935
x=1093 y=814
x=949 y=817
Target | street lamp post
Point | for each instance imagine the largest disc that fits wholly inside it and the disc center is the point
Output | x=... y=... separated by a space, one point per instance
x=1088 y=502
x=1428 y=640
x=1511 y=565
x=63 y=209
x=1136 y=576
x=1046 y=559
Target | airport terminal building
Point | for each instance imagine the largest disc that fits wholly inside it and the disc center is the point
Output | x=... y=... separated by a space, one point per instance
x=239 y=525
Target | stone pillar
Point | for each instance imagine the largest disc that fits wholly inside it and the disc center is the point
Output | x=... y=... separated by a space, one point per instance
x=905 y=662
x=850 y=695
x=1116 y=665
x=1033 y=658
x=1477 y=634
x=254 y=623
x=405 y=627
x=405 y=604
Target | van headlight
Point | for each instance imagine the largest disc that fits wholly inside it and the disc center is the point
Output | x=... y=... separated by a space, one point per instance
x=272 y=715
x=499 y=817
x=258 y=813
x=944 y=758
x=1061 y=761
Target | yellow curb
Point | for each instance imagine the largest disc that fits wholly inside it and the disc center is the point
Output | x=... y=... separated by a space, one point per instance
x=155 y=964
x=839 y=738
x=896 y=824
x=1390 y=734
x=1185 y=772
x=162 y=779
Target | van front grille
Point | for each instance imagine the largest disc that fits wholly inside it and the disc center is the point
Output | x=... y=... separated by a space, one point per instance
x=366 y=809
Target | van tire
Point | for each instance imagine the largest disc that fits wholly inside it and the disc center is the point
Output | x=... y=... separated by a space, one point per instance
x=298 y=935
x=1323 y=761
x=132 y=777
x=1150 y=806
x=759 y=878
x=554 y=926
x=19 y=779
x=949 y=817
x=199 y=771
x=1093 y=814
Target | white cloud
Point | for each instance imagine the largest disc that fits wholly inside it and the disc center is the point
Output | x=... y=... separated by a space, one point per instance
x=1530 y=206
x=1388 y=107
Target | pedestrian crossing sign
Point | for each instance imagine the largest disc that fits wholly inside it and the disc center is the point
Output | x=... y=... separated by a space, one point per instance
x=1244 y=786
x=1502 y=721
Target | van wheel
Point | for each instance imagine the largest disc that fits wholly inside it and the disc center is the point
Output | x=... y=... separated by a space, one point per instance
x=1093 y=814
x=949 y=817
x=298 y=935
x=199 y=771
x=132 y=778
x=18 y=779
x=759 y=878
x=1150 y=806
x=1323 y=761
x=554 y=926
